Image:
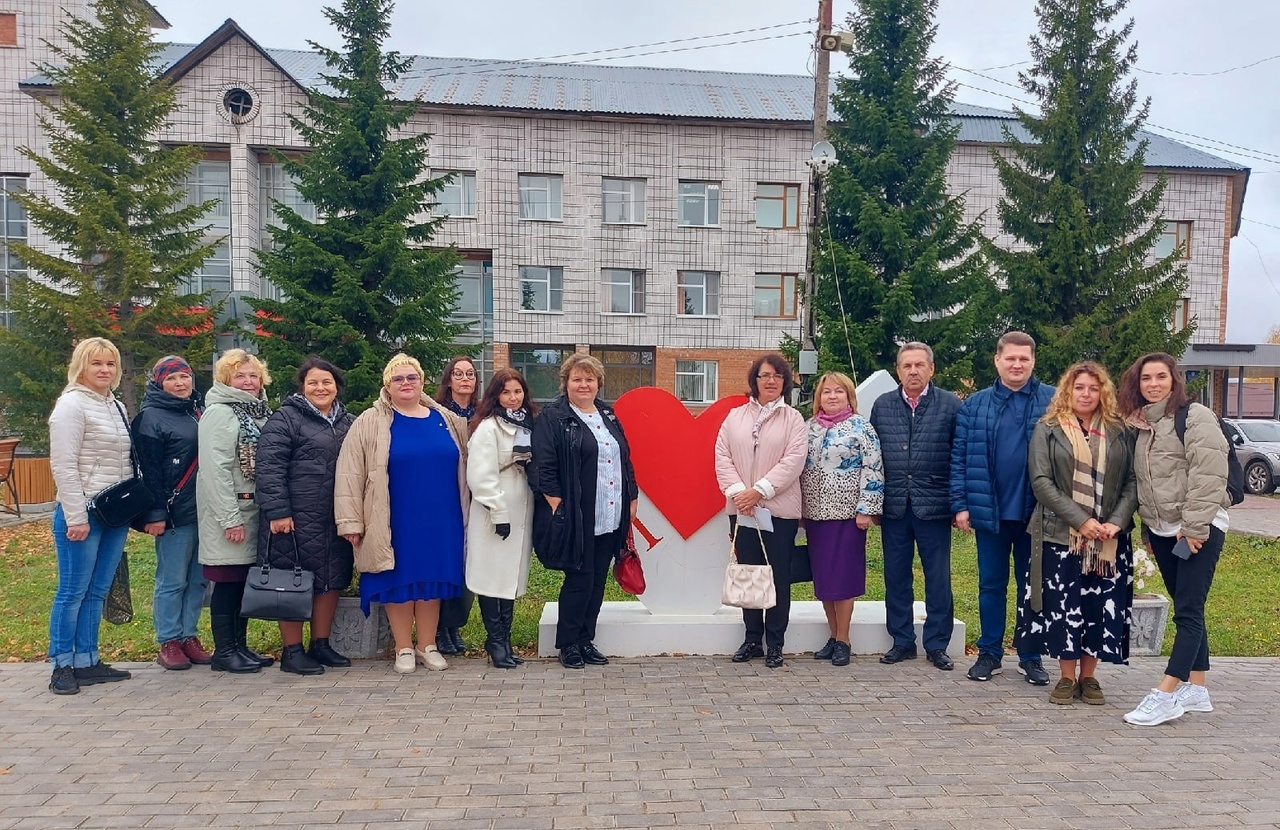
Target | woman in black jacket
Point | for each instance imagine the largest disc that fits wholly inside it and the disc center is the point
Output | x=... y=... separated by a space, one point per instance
x=297 y=464
x=586 y=498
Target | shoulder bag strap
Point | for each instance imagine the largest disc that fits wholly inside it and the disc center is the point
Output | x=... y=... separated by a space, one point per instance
x=133 y=456
x=182 y=482
x=733 y=543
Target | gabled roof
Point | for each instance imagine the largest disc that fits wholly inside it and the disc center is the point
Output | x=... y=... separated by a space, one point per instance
x=157 y=20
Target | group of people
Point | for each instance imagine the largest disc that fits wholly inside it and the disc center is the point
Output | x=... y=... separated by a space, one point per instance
x=1046 y=478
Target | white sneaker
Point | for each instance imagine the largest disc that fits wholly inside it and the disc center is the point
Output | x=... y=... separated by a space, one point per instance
x=405 y=664
x=432 y=659
x=1193 y=698
x=1155 y=709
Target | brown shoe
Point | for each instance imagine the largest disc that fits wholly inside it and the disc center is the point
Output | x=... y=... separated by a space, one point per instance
x=195 y=651
x=1064 y=694
x=172 y=657
x=1091 y=692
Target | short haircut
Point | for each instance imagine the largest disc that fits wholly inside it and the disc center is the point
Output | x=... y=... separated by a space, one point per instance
x=316 y=362
x=914 y=346
x=1130 y=395
x=779 y=364
x=233 y=359
x=444 y=390
x=84 y=352
x=580 y=360
x=839 y=379
x=398 y=360
x=1015 y=338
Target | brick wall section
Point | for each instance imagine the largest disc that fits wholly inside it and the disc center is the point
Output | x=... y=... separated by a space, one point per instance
x=732 y=366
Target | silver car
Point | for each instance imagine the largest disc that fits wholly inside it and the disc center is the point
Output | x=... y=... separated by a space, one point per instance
x=1258 y=448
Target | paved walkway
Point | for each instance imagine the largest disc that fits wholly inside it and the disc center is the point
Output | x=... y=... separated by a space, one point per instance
x=1257 y=516
x=668 y=742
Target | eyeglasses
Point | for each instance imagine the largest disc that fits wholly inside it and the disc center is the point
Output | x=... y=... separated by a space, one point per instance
x=398 y=379
x=766 y=377
x=463 y=373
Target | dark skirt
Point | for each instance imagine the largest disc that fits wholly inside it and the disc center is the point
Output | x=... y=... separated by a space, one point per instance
x=225 y=573
x=1084 y=613
x=838 y=556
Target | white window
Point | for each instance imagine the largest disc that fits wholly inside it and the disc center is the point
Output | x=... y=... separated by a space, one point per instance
x=623 y=291
x=696 y=381
x=699 y=203
x=211 y=180
x=214 y=273
x=1174 y=236
x=474 y=309
x=458 y=196
x=623 y=201
x=778 y=205
x=775 y=295
x=698 y=293
x=541 y=289
x=540 y=197
x=1181 y=314
x=13 y=228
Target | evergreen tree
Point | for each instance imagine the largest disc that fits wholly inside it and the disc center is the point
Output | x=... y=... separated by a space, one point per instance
x=358 y=285
x=123 y=242
x=895 y=259
x=1081 y=277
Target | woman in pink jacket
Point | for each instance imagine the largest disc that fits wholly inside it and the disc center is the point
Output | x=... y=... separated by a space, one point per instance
x=760 y=453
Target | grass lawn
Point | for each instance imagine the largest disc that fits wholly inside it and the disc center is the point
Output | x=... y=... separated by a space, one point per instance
x=1243 y=610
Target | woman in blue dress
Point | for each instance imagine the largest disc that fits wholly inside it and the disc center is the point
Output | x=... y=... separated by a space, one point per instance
x=401 y=500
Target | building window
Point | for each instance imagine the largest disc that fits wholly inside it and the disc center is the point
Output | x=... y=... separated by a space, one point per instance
x=457 y=197
x=474 y=307
x=14 y=229
x=540 y=197
x=696 y=381
x=211 y=180
x=623 y=291
x=623 y=201
x=699 y=203
x=1181 y=314
x=775 y=295
x=8 y=29
x=1174 y=236
x=541 y=289
x=540 y=366
x=276 y=185
x=624 y=369
x=698 y=293
x=778 y=205
x=213 y=275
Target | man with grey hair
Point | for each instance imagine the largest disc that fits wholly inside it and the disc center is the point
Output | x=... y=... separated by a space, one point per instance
x=915 y=424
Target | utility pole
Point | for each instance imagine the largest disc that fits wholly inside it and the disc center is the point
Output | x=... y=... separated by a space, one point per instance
x=821 y=100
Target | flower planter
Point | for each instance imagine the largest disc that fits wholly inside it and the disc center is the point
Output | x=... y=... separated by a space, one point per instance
x=358 y=636
x=1150 y=617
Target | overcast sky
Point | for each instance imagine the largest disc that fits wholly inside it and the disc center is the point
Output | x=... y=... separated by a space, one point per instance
x=1191 y=51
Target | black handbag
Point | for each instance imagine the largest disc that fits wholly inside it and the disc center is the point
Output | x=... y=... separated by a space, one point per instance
x=122 y=502
x=278 y=594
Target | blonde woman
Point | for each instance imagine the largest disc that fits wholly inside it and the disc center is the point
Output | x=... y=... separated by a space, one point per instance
x=89 y=452
x=401 y=500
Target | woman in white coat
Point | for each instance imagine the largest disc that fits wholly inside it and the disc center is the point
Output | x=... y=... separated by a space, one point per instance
x=501 y=518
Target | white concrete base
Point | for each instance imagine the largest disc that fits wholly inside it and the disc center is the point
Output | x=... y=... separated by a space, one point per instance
x=628 y=629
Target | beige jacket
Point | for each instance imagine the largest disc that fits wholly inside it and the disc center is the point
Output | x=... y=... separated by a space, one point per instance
x=362 y=492
x=1181 y=485
x=88 y=448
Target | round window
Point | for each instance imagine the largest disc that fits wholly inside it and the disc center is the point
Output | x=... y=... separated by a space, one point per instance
x=239 y=102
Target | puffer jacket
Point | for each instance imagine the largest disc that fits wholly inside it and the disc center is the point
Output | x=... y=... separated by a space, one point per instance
x=362 y=489
x=915 y=446
x=774 y=461
x=973 y=453
x=297 y=468
x=500 y=494
x=224 y=497
x=88 y=448
x=165 y=434
x=1182 y=484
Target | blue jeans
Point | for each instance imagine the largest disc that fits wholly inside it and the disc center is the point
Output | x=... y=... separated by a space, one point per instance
x=900 y=539
x=993 y=582
x=85 y=571
x=179 y=584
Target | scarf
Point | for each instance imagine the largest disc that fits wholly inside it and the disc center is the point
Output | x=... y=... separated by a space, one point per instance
x=522 y=420
x=336 y=411
x=828 y=421
x=465 y=412
x=763 y=411
x=1089 y=447
x=247 y=443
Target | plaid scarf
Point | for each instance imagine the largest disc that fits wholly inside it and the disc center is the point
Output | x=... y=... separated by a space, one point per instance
x=1089 y=446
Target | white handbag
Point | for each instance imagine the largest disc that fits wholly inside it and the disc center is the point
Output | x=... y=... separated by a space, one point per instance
x=748 y=586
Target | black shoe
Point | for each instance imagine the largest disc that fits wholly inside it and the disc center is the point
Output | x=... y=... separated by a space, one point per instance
x=825 y=652
x=296 y=661
x=938 y=657
x=773 y=657
x=899 y=653
x=232 y=659
x=571 y=658
x=324 y=654
x=100 y=672
x=840 y=654
x=507 y=612
x=591 y=655
x=242 y=643
x=459 y=644
x=444 y=641
x=1034 y=671
x=747 y=651
x=64 y=681
x=985 y=668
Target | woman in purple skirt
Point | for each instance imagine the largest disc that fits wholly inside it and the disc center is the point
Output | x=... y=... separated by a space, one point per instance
x=843 y=487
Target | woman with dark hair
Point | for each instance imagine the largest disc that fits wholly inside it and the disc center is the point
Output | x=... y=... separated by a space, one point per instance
x=1183 y=501
x=297 y=464
x=499 y=533
x=760 y=454
x=456 y=392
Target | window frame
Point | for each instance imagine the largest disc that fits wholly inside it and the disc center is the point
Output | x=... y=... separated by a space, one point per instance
x=11 y=265
x=781 y=290
x=634 y=195
x=554 y=282
x=1180 y=230
x=708 y=187
x=645 y=365
x=1181 y=317
x=710 y=289
x=635 y=288
x=461 y=180
x=708 y=380
x=538 y=372
x=552 y=185
x=789 y=199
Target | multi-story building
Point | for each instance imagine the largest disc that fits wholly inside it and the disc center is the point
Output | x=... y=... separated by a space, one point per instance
x=654 y=217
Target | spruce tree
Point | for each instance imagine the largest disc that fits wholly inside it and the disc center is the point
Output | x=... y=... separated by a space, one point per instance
x=122 y=240
x=359 y=283
x=895 y=260
x=1081 y=277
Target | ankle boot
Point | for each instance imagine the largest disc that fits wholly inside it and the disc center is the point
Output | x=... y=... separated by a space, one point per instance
x=226 y=651
x=444 y=641
x=495 y=643
x=508 y=610
x=324 y=654
x=242 y=643
x=296 y=661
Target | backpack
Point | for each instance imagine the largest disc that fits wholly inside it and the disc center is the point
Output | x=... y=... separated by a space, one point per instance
x=1235 y=472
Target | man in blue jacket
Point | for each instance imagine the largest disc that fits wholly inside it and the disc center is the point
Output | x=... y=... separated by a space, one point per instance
x=991 y=493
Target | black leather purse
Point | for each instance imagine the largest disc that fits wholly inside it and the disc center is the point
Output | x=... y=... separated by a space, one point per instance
x=124 y=501
x=279 y=594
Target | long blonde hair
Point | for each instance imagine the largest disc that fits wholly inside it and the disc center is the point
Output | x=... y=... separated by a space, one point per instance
x=1061 y=403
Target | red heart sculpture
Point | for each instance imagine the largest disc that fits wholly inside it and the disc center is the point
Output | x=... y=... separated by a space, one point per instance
x=674 y=454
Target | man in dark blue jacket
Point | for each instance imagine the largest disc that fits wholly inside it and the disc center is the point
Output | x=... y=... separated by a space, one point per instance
x=915 y=423
x=991 y=493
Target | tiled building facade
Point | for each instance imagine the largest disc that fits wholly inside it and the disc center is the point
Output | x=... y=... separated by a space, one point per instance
x=655 y=218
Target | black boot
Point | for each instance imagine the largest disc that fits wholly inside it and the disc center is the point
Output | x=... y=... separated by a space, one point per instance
x=324 y=654
x=495 y=643
x=444 y=641
x=508 y=609
x=296 y=661
x=226 y=646
x=242 y=643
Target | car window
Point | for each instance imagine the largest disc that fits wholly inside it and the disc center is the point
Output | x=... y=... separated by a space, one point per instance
x=1258 y=431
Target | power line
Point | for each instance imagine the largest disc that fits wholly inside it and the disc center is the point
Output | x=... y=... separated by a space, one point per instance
x=1263 y=224
x=1258 y=62
x=1263 y=263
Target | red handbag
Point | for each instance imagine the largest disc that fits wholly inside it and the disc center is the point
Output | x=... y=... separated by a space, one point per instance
x=627 y=571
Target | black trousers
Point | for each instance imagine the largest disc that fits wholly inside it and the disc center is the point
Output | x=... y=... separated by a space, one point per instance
x=455 y=612
x=582 y=594
x=1188 y=581
x=780 y=543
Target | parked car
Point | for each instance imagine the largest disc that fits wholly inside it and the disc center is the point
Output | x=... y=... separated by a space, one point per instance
x=1258 y=447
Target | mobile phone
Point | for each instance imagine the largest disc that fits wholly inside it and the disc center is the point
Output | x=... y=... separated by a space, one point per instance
x=1182 y=550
